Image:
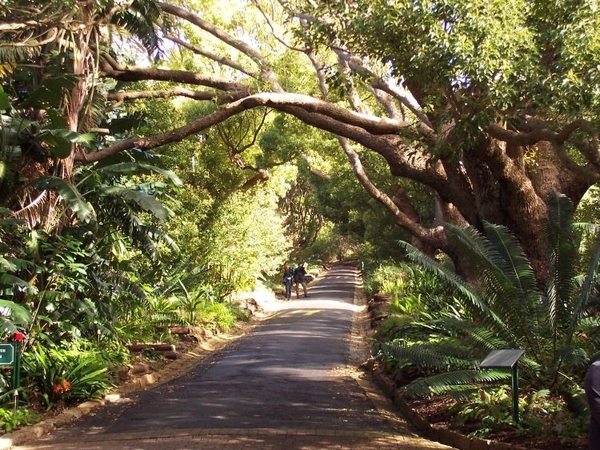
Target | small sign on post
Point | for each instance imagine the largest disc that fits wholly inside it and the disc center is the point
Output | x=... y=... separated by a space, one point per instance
x=506 y=359
x=10 y=355
x=7 y=354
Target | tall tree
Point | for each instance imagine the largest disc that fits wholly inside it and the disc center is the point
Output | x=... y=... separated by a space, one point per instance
x=49 y=64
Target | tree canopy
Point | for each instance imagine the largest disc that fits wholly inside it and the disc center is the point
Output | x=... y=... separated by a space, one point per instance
x=489 y=106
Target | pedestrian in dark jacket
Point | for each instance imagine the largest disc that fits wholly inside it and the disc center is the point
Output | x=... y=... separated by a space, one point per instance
x=592 y=393
x=300 y=280
x=288 y=277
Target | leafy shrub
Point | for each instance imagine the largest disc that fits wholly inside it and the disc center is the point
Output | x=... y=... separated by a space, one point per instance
x=224 y=315
x=11 y=418
x=412 y=288
x=540 y=415
x=386 y=278
x=56 y=374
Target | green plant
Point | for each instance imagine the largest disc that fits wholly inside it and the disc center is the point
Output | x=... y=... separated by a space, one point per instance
x=224 y=315
x=555 y=325
x=491 y=409
x=11 y=418
x=386 y=278
x=56 y=374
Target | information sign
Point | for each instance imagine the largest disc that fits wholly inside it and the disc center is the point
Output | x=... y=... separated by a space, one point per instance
x=7 y=354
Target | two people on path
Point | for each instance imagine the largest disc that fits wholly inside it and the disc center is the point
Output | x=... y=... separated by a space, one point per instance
x=297 y=276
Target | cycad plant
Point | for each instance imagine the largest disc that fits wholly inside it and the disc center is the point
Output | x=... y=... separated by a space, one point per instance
x=505 y=308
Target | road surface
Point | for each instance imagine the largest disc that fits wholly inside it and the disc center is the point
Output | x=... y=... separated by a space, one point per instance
x=291 y=383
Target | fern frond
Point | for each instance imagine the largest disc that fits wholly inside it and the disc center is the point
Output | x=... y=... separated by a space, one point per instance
x=464 y=290
x=454 y=381
x=588 y=285
x=563 y=256
x=513 y=264
x=438 y=356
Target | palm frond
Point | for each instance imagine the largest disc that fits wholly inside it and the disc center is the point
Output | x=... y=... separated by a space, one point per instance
x=70 y=195
x=498 y=257
x=142 y=199
x=563 y=256
x=457 y=381
x=483 y=338
x=437 y=356
x=139 y=19
x=137 y=168
x=513 y=263
x=13 y=316
x=457 y=283
x=509 y=282
x=118 y=285
x=588 y=286
x=7 y=279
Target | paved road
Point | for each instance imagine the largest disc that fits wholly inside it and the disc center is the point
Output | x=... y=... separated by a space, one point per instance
x=287 y=385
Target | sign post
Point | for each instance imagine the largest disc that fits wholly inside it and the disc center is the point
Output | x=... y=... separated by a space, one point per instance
x=7 y=354
x=10 y=355
x=506 y=359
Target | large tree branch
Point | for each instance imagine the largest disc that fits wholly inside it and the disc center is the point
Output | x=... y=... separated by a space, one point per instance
x=175 y=92
x=387 y=85
x=267 y=72
x=427 y=238
x=372 y=124
x=539 y=133
x=557 y=139
x=176 y=135
x=434 y=237
x=176 y=76
x=307 y=104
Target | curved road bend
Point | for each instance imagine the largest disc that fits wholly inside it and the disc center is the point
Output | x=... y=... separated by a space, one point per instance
x=287 y=385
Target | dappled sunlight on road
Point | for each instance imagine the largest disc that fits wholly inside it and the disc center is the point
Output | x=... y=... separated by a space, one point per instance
x=307 y=304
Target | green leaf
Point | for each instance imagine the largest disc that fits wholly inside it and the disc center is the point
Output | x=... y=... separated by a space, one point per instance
x=69 y=194
x=57 y=146
x=143 y=200
x=51 y=92
x=4 y=100
x=60 y=141
x=7 y=279
x=135 y=168
x=17 y=315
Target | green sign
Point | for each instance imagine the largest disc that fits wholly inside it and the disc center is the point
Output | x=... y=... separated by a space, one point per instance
x=7 y=354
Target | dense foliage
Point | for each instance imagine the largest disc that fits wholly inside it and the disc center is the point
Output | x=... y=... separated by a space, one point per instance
x=155 y=158
x=435 y=346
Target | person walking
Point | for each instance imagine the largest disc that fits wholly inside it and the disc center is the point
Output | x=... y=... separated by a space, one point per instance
x=300 y=280
x=288 y=277
x=592 y=393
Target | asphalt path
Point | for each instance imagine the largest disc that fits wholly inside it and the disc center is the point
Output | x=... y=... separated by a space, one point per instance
x=289 y=384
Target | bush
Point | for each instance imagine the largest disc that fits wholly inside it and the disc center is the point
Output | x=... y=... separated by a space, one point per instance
x=11 y=418
x=224 y=315
x=56 y=374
